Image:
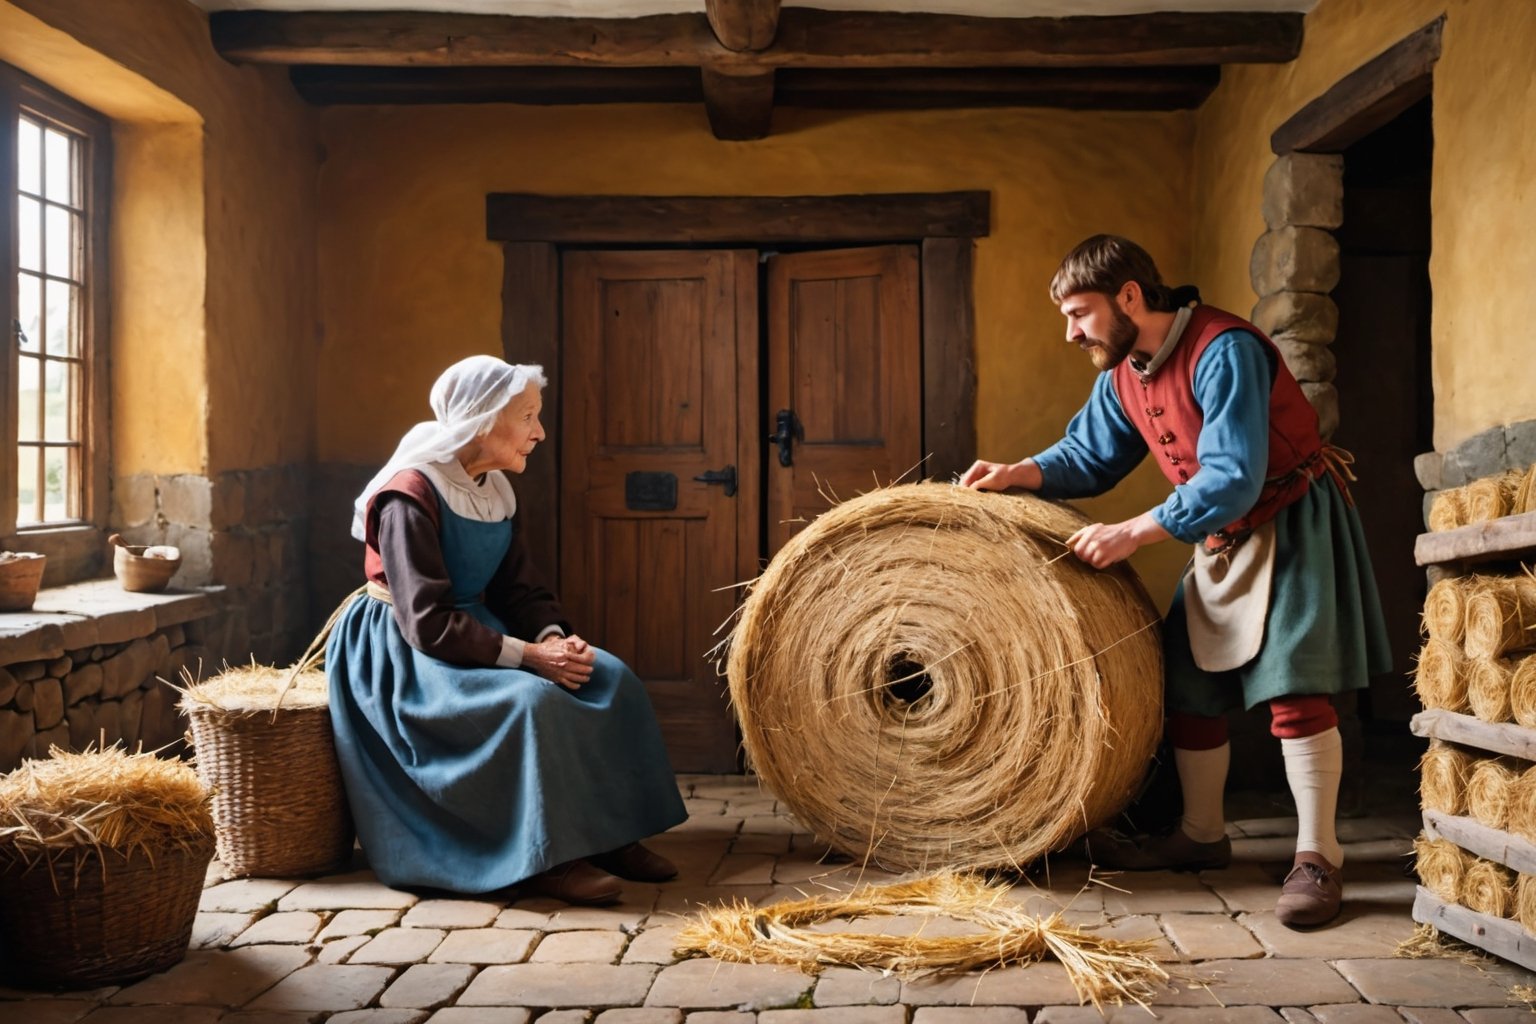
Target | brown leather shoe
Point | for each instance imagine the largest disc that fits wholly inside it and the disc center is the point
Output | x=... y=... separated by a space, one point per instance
x=1171 y=851
x=636 y=863
x=577 y=881
x=1312 y=893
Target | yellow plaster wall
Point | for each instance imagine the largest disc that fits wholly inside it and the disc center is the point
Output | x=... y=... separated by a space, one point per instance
x=212 y=235
x=411 y=284
x=1483 y=256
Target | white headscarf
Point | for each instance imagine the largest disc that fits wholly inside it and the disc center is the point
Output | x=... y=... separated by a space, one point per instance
x=465 y=400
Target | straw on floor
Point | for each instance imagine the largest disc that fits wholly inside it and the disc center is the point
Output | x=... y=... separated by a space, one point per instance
x=925 y=676
x=1101 y=969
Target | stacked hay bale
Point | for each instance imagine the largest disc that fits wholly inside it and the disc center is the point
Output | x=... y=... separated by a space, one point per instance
x=924 y=679
x=1479 y=660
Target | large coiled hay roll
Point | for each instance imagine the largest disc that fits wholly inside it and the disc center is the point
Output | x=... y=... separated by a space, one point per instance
x=1521 y=819
x=1525 y=494
x=1493 y=497
x=1488 y=693
x=1445 y=610
x=1488 y=888
x=1525 y=902
x=1440 y=679
x=923 y=681
x=1488 y=790
x=1500 y=615
x=1444 y=770
x=1440 y=864
x=1522 y=691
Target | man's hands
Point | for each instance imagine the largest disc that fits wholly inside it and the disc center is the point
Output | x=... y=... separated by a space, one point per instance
x=1104 y=544
x=999 y=476
x=566 y=660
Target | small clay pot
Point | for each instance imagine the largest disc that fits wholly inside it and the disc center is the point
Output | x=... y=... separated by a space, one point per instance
x=145 y=568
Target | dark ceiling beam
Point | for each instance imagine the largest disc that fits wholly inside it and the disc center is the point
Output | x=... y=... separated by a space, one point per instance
x=848 y=89
x=739 y=107
x=743 y=24
x=806 y=38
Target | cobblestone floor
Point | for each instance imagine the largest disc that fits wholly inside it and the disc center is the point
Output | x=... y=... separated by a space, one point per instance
x=346 y=949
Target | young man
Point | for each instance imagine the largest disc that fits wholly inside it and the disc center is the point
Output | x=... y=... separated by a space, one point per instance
x=1279 y=605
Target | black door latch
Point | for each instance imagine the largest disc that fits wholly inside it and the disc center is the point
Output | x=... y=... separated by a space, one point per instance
x=788 y=431
x=725 y=476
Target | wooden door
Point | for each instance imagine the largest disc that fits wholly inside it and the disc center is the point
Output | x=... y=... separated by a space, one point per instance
x=660 y=386
x=844 y=359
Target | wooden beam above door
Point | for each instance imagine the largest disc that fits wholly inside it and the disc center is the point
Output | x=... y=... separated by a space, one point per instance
x=619 y=220
x=805 y=37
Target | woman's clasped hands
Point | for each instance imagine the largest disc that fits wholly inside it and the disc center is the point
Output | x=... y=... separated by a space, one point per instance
x=566 y=660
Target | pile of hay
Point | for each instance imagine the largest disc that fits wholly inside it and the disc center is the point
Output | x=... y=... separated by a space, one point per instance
x=1443 y=773
x=1525 y=902
x=1488 y=688
x=1483 y=500
x=1445 y=610
x=1102 y=970
x=253 y=689
x=1500 y=615
x=1489 y=790
x=1522 y=691
x=924 y=680
x=106 y=799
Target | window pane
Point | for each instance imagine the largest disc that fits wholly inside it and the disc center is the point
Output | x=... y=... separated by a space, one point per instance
x=62 y=325
x=29 y=295
x=56 y=484
x=29 y=234
x=59 y=390
x=29 y=156
x=29 y=398
x=26 y=486
x=59 y=166
x=60 y=237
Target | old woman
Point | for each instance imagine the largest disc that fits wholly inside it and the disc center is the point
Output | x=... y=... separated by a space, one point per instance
x=483 y=743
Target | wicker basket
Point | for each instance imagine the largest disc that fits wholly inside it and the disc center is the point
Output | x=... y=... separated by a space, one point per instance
x=279 y=808
x=98 y=916
x=20 y=577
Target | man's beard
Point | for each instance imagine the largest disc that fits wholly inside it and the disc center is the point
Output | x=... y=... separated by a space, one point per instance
x=1110 y=353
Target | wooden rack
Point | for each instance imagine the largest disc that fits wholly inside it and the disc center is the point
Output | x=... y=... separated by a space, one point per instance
x=1512 y=538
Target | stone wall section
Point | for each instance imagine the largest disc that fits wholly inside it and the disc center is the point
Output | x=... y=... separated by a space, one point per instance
x=1495 y=450
x=1295 y=266
x=247 y=530
x=101 y=693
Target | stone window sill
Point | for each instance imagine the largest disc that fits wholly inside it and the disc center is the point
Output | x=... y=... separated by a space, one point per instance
x=96 y=612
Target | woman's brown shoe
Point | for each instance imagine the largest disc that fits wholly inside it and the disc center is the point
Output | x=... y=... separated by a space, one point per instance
x=577 y=881
x=1312 y=892
x=636 y=863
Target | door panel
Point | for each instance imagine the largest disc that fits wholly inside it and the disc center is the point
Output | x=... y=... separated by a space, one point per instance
x=845 y=356
x=659 y=360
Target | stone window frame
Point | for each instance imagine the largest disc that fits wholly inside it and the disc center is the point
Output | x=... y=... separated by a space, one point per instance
x=76 y=549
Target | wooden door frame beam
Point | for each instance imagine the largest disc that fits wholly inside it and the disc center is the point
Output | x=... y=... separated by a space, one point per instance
x=533 y=229
x=1366 y=98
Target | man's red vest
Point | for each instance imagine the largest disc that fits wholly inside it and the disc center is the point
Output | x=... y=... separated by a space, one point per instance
x=1164 y=410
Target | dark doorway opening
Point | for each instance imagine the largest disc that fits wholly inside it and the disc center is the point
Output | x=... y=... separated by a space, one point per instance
x=1385 y=396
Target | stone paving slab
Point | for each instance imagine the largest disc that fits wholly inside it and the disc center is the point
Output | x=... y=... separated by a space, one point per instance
x=325 y=987
x=1268 y=982
x=841 y=1015
x=1159 y=892
x=654 y=945
x=378 y=1017
x=970 y=1015
x=557 y=985
x=338 y=950
x=1433 y=982
x=641 y=1015
x=298 y=926
x=845 y=986
x=451 y=914
x=707 y=984
x=1355 y=1013
x=214 y=929
x=1211 y=936
x=399 y=946
x=485 y=946
x=427 y=986
x=1036 y=985
x=1163 y=1014
x=357 y=922
x=480 y=1015
x=218 y=977
x=585 y=947
x=146 y=1015
x=270 y=1017
x=1355 y=935
x=245 y=895
x=1502 y=1015
x=358 y=890
x=49 y=1011
x=1430 y=1015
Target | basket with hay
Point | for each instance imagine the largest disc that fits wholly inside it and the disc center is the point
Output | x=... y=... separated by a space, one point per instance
x=102 y=858
x=264 y=744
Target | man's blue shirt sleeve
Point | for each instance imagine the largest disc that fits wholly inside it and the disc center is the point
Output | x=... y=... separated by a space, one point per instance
x=1099 y=449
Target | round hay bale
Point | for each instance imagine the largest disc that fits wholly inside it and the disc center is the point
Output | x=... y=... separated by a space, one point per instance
x=1525 y=494
x=1445 y=610
x=1443 y=778
x=1488 y=685
x=1488 y=790
x=1500 y=616
x=1522 y=691
x=269 y=755
x=924 y=681
x=1525 y=902
x=1440 y=864
x=1488 y=888
x=1521 y=817
x=1448 y=510
x=1440 y=678
x=1492 y=497
x=102 y=859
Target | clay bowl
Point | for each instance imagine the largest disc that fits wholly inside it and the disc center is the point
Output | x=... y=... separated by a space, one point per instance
x=145 y=568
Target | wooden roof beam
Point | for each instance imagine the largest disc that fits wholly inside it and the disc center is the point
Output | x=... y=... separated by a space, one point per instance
x=743 y=24
x=739 y=107
x=806 y=38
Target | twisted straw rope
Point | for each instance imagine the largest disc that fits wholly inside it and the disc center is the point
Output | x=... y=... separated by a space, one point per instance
x=1043 y=679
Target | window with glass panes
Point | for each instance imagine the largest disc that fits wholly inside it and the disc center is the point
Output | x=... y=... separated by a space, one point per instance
x=54 y=166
